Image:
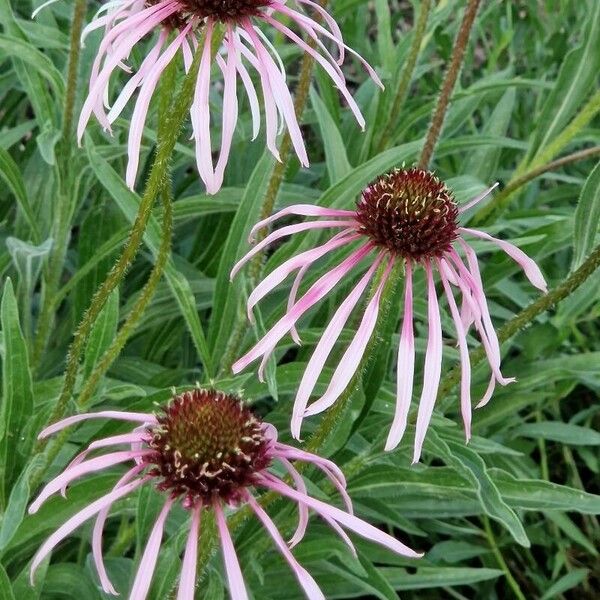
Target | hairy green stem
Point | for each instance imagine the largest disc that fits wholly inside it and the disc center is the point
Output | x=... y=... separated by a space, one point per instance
x=139 y=307
x=501 y=200
x=512 y=582
x=407 y=75
x=450 y=78
x=256 y=265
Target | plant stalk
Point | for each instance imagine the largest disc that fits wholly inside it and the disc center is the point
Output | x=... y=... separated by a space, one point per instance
x=450 y=78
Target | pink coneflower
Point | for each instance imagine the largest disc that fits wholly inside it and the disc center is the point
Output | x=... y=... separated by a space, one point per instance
x=180 y=23
x=207 y=451
x=410 y=217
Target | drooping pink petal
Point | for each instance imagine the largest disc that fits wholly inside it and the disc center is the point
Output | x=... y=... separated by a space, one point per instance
x=465 y=366
x=332 y=24
x=292 y=300
x=284 y=232
x=281 y=92
x=477 y=199
x=318 y=290
x=302 y=508
x=489 y=392
x=405 y=367
x=76 y=520
x=89 y=466
x=145 y=418
x=201 y=115
x=187 y=582
x=309 y=585
x=328 y=339
x=143 y=577
x=237 y=587
x=105 y=582
x=303 y=20
x=303 y=210
x=433 y=365
x=350 y=362
x=349 y=521
x=529 y=266
x=230 y=107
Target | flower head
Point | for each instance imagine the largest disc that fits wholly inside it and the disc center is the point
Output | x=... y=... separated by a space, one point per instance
x=180 y=24
x=207 y=451
x=407 y=217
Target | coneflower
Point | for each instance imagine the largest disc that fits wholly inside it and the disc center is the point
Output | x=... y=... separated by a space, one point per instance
x=408 y=216
x=179 y=24
x=209 y=452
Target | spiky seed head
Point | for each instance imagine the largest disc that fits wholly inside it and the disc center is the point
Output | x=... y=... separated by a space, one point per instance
x=409 y=212
x=207 y=445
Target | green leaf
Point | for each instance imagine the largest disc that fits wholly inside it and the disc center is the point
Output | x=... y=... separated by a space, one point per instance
x=575 y=80
x=6 y=592
x=17 y=394
x=565 y=583
x=103 y=332
x=587 y=218
x=537 y=494
x=471 y=466
x=336 y=159
x=433 y=577
x=9 y=171
x=565 y=433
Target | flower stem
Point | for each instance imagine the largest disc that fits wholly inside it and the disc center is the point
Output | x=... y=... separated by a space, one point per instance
x=407 y=75
x=450 y=78
x=139 y=307
x=512 y=582
x=503 y=198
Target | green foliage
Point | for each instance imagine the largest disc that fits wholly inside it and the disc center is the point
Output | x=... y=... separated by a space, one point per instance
x=532 y=466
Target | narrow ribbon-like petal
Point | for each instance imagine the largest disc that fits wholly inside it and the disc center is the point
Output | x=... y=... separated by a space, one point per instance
x=405 y=367
x=237 y=587
x=433 y=365
x=187 y=582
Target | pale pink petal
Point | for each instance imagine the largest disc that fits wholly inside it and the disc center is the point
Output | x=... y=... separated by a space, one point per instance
x=326 y=343
x=250 y=92
x=405 y=367
x=309 y=585
x=477 y=199
x=332 y=23
x=489 y=392
x=303 y=259
x=107 y=586
x=284 y=232
x=187 y=583
x=302 y=508
x=230 y=108
x=94 y=464
x=529 y=266
x=103 y=414
x=433 y=365
x=349 y=521
x=136 y=128
x=75 y=521
x=201 y=115
x=280 y=91
x=143 y=577
x=292 y=300
x=465 y=366
x=303 y=20
x=317 y=291
x=303 y=210
x=350 y=362
x=237 y=588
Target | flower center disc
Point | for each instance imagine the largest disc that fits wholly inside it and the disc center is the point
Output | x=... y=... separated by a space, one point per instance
x=410 y=212
x=208 y=444
x=224 y=10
